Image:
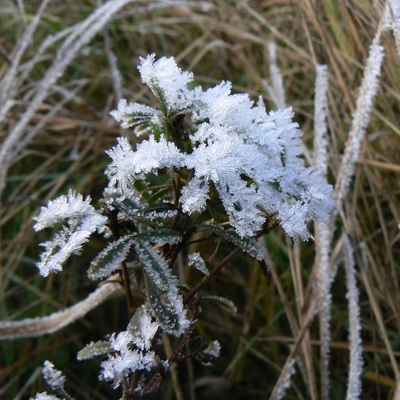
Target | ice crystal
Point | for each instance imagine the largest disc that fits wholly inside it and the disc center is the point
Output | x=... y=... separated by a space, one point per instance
x=253 y=158
x=142 y=329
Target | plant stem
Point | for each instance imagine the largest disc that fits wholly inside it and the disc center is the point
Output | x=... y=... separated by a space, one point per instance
x=127 y=288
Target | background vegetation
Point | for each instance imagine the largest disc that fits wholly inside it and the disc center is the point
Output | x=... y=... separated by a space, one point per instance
x=229 y=42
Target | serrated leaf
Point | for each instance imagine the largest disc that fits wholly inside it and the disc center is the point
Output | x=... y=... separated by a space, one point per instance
x=110 y=258
x=161 y=236
x=128 y=206
x=166 y=307
x=163 y=299
x=155 y=265
x=196 y=261
x=94 y=349
x=247 y=244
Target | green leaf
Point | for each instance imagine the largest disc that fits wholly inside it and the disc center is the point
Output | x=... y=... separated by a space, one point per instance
x=94 y=349
x=110 y=258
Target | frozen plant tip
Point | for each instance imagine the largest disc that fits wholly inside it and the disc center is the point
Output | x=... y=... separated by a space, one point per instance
x=53 y=377
x=252 y=158
x=82 y=220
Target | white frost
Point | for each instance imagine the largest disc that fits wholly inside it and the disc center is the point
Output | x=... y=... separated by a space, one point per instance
x=82 y=220
x=253 y=158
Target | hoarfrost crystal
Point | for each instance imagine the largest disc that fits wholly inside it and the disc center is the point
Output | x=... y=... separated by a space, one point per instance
x=82 y=220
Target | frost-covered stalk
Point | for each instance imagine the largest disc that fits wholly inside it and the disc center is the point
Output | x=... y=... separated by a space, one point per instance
x=284 y=382
x=276 y=89
x=392 y=11
x=366 y=97
x=320 y=119
x=322 y=232
x=354 y=381
x=323 y=243
x=204 y=148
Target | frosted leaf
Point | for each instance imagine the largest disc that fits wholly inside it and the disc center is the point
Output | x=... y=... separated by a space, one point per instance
x=44 y=396
x=228 y=304
x=129 y=202
x=94 y=349
x=167 y=82
x=54 y=378
x=209 y=355
x=110 y=258
x=155 y=266
x=149 y=157
x=82 y=220
x=128 y=356
x=163 y=299
x=161 y=236
x=159 y=211
x=247 y=244
x=142 y=329
x=137 y=115
x=196 y=261
x=70 y=207
x=213 y=349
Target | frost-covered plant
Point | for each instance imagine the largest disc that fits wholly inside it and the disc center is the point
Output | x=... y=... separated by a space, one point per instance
x=208 y=162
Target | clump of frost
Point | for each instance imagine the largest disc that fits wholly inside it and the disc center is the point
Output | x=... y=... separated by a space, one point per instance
x=253 y=158
x=54 y=378
x=82 y=220
x=44 y=396
x=167 y=82
x=130 y=349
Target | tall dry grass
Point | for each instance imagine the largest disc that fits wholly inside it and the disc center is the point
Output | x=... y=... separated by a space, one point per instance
x=64 y=67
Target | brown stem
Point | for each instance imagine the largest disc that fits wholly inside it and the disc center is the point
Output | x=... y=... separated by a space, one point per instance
x=203 y=281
